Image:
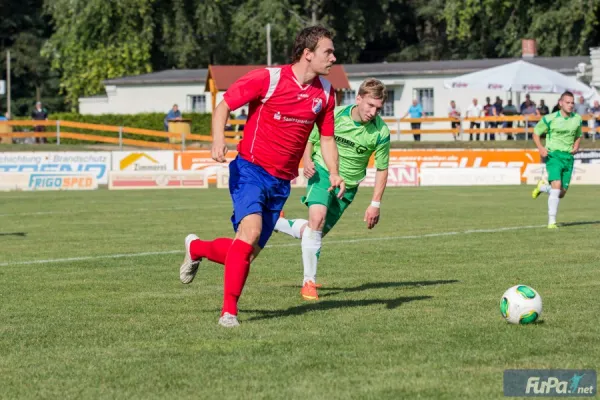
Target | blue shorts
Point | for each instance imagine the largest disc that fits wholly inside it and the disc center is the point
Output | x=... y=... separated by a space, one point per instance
x=254 y=191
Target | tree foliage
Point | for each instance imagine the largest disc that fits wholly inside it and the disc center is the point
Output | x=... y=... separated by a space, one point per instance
x=87 y=41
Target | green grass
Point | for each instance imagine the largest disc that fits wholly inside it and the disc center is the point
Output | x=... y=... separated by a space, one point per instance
x=398 y=318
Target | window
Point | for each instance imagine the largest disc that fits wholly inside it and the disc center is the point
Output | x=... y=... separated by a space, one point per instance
x=349 y=97
x=197 y=103
x=425 y=97
x=388 y=106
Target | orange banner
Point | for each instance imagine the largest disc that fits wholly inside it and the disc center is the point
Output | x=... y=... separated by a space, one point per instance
x=420 y=158
x=201 y=160
x=464 y=158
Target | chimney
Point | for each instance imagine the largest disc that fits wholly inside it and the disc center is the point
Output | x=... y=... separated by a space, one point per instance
x=529 y=48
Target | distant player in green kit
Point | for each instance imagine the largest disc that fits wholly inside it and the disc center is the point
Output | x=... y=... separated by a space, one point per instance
x=563 y=136
x=359 y=132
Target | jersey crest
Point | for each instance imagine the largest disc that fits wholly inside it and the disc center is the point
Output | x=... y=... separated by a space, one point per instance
x=317 y=105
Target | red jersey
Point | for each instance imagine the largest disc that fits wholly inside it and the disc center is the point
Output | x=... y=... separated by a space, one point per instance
x=281 y=116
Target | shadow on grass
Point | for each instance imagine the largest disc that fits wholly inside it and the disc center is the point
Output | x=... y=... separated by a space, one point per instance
x=13 y=234
x=579 y=223
x=382 y=285
x=330 y=305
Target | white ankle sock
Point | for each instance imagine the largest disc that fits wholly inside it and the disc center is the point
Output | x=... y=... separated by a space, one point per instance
x=292 y=227
x=553 y=201
x=311 y=250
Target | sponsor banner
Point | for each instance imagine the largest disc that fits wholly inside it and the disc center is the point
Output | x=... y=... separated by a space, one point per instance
x=583 y=174
x=157 y=180
x=142 y=160
x=201 y=160
x=587 y=157
x=534 y=172
x=47 y=181
x=222 y=178
x=94 y=162
x=398 y=175
x=463 y=158
x=470 y=176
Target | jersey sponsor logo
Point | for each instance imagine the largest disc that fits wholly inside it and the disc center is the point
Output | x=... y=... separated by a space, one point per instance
x=299 y=121
x=317 y=105
x=277 y=116
x=349 y=143
x=302 y=96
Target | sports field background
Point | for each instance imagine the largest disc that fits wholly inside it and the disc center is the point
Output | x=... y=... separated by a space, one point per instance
x=408 y=310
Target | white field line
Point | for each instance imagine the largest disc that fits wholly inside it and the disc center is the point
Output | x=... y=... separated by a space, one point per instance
x=296 y=243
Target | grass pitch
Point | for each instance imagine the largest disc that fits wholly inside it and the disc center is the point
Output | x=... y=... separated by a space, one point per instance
x=92 y=306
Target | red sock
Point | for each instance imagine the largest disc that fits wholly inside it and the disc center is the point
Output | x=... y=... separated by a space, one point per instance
x=215 y=250
x=237 y=267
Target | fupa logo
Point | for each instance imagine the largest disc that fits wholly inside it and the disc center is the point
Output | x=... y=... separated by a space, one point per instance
x=560 y=383
x=556 y=386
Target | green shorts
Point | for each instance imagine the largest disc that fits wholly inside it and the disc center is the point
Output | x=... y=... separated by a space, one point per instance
x=317 y=193
x=559 y=165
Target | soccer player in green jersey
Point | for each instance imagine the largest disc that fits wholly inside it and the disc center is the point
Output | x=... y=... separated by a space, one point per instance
x=359 y=133
x=563 y=136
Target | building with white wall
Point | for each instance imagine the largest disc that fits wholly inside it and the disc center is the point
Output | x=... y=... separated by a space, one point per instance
x=157 y=92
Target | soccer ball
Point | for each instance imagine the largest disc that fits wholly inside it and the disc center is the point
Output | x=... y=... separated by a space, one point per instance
x=521 y=304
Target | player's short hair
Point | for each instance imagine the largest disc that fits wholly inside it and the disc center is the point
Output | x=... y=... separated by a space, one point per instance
x=373 y=87
x=567 y=93
x=308 y=39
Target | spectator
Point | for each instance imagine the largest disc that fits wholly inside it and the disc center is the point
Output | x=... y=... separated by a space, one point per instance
x=509 y=111
x=415 y=111
x=556 y=108
x=543 y=108
x=593 y=123
x=474 y=111
x=582 y=108
x=489 y=111
x=524 y=104
x=4 y=117
x=454 y=112
x=173 y=114
x=529 y=110
x=39 y=114
x=244 y=117
x=498 y=105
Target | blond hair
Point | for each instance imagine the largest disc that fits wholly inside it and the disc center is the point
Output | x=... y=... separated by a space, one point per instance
x=373 y=87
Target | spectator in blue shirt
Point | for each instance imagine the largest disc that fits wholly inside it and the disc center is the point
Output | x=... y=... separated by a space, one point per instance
x=415 y=111
x=174 y=113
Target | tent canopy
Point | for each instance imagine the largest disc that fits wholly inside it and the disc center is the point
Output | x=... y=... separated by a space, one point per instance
x=521 y=76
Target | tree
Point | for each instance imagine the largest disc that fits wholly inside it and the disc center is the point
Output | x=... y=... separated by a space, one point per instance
x=96 y=40
x=23 y=31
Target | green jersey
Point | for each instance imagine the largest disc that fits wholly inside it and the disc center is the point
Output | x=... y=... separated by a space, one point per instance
x=561 y=133
x=356 y=143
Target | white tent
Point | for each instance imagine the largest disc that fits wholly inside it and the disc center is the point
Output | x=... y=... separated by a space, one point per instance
x=521 y=76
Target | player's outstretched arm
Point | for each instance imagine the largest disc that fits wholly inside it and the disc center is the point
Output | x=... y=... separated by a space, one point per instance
x=219 y=120
x=331 y=158
x=373 y=211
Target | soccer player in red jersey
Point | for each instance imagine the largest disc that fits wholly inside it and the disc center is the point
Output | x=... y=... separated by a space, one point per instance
x=284 y=105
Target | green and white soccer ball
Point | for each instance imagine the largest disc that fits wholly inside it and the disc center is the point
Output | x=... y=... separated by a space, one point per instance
x=521 y=304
